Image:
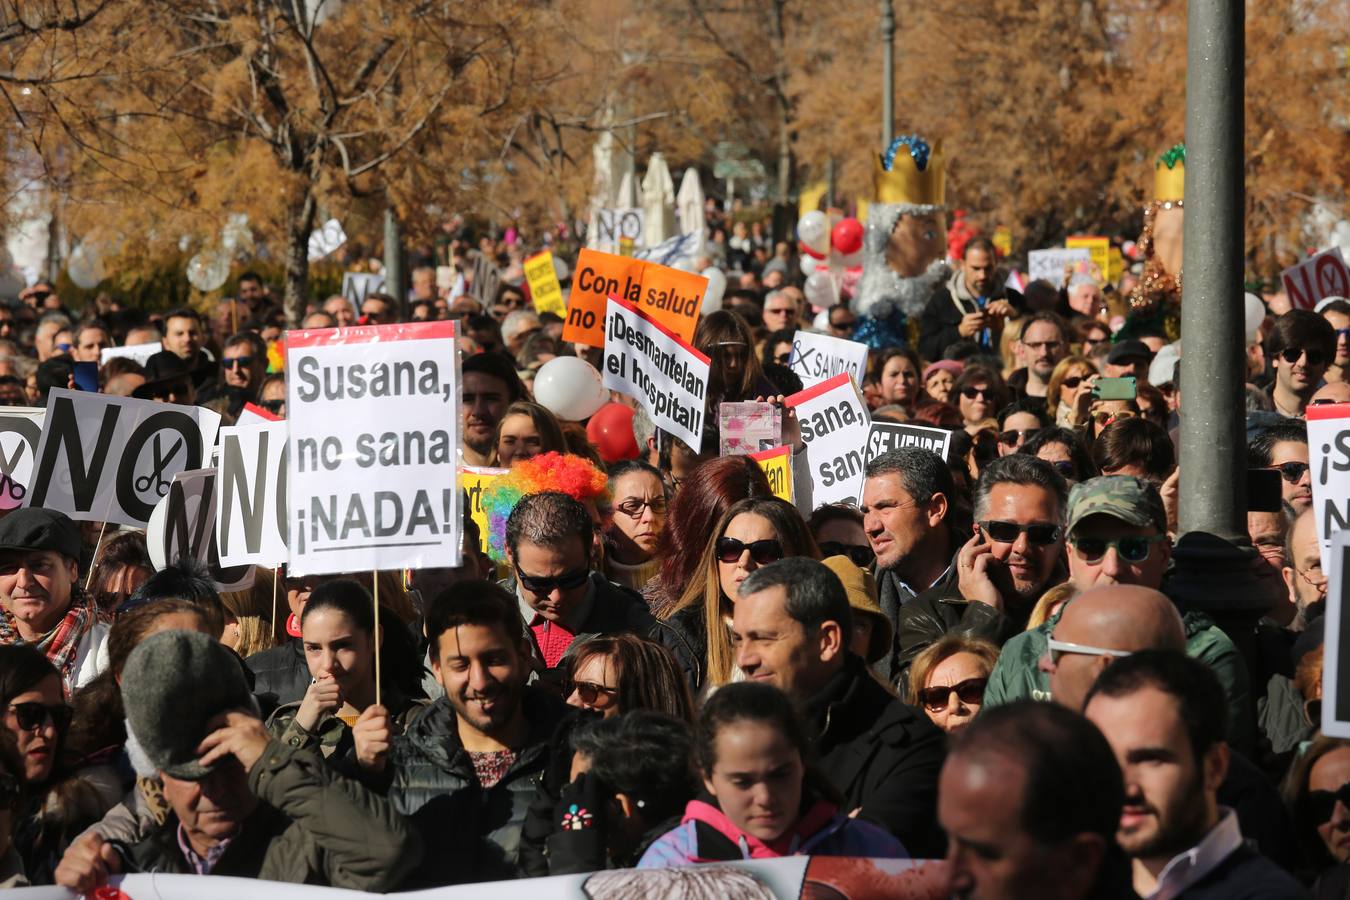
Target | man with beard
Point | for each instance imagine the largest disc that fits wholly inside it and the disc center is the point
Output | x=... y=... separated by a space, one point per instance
x=1284 y=448
x=1303 y=574
x=1163 y=715
x=466 y=770
x=971 y=305
x=490 y=386
x=1300 y=346
x=1042 y=344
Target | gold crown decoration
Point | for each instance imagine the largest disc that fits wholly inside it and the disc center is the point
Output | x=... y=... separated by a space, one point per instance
x=1169 y=175
x=916 y=176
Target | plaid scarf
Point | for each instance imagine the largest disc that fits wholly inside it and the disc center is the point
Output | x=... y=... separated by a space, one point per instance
x=61 y=643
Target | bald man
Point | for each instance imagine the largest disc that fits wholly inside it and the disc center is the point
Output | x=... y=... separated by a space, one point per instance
x=1303 y=575
x=1331 y=392
x=1102 y=625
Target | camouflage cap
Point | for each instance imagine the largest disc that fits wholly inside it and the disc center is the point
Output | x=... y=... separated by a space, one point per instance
x=1132 y=500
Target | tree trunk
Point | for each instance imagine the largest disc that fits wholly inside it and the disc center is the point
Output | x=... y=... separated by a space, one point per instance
x=299 y=223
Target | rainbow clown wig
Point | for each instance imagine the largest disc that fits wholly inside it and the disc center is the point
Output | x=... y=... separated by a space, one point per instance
x=571 y=475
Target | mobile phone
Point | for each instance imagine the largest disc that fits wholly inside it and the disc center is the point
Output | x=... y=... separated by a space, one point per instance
x=86 y=377
x=1115 y=388
x=1264 y=493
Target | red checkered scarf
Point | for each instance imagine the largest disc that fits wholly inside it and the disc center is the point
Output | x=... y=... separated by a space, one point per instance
x=61 y=643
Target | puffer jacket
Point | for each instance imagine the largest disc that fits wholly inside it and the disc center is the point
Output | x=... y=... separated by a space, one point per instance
x=280 y=675
x=311 y=827
x=685 y=635
x=475 y=832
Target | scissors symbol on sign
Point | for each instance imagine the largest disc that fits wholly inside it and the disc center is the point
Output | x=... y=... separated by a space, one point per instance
x=160 y=462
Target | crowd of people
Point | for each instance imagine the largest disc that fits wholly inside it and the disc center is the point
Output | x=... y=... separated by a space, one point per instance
x=655 y=661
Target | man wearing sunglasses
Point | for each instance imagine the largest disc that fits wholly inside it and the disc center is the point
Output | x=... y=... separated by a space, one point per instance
x=1337 y=313
x=1284 y=448
x=243 y=365
x=1300 y=346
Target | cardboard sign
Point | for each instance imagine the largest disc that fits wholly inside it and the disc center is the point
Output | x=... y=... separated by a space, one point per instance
x=357 y=286
x=1098 y=247
x=820 y=357
x=1324 y=275
x=544 y=286
x=138 y=353
x=20 y=433
x=668 y=296
x=777 y=466
x=473 y=480
x=112 y=459
x=668 y=377
x=183 y=525
x=486 y=279
x=373 y=413
x=887 y=436
x=614 y=227
x=1048 y=265
x=251 y=510
x=1336 y=644
x=835 y=425
x=748 y=427
x=1329 y=465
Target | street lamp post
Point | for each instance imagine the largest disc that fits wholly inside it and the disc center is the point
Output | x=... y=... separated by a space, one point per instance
x=887 y=73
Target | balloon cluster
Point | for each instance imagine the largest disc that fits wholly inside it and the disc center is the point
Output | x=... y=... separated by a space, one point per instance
x=828 y=250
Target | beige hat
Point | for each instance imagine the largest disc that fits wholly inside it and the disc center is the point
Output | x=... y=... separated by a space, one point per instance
x=861 y=588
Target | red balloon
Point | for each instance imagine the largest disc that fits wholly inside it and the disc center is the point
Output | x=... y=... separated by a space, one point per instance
x=611 y=431
x=847 y=236
x=801 y=245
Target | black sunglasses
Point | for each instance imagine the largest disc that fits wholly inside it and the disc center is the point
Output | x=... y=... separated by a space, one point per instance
x=1072 y=381
x=1321 y=804
x=272 y=406
x=236 y=361
x=567 y=581
x=1291 y=355
x=1007 y=532
x=843 y=326
x=1131 y=548
x=762 y=552
x=31 y=716
x=970 y=393
x=590 y=692
x=971 y=691
x=1009 y=438
x=860 y=554
x=1292 y=472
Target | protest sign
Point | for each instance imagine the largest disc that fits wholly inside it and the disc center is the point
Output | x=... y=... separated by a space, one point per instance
x=373 y=416
x=111 y=459
x=1324 y=275
x=544 y=287
x=1336 y=643
x=1048 y=265
x=486 y=279
x=777 y=466
x=1329 y=466
x=183 y=526
x=748 y=427
x=252 y=414
x=668 y=377
x=138 y=353
x=886 y=436
x=1098 y=247
x=357 y=286
x=835 y=424
x=20 y=432
x=820 y=357
x=665 y=295
x=251 y=508
x=473 y=480
x=678 y=251
x=615 y=226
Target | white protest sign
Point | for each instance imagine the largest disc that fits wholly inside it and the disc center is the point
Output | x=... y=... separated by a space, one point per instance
x=253 y=414
x=138 y=353
x=835 y=425
x=373 y=413
x=20 y=433
x=357 y=286
x=676 y=252
x=886 y=436
x=1321 y=276
x=1048 y=265
x=251 y=496
x=1329 y=466
x=111 y=459
x=614 y=227
x=325 y=240
x=820 y=357
x=183 y=525
x=645 y=360
x=1336 y=642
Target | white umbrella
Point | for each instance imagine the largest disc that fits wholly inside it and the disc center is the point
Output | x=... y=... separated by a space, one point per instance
x=689 y=202
x=625 y=197
x=658 y=201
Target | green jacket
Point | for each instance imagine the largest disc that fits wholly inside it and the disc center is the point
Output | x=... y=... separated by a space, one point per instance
x=332 y=737
x=1017 y=675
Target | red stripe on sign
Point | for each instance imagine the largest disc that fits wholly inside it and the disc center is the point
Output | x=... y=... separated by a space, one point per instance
x=659 y=327
x=766 y=455
x=815 y=391
x=372 y=334
x=1328 y=411
x=262 y=413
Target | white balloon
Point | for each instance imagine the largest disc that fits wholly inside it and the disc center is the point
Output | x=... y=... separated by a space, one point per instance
x=808 y=264
x=813 y=230
x=570 y=388
x=717 y=286
x=85 y=267
x=560 y=267
x=819 y=289
x=208 y=270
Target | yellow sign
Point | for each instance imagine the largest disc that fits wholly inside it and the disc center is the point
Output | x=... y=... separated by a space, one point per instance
x=1098 y=247
x=473 y=480
x=777 y=466
x=544 y=286
x=670 y=297
x=1002 y=240
x=1115 y=266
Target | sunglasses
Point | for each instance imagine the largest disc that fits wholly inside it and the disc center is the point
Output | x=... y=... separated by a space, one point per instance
x=272 y=406
x=567 y=581
x=843 y=326
x=860 y=554
x=633 y=507
x=1072 y=382
x=783 y=358
x=1056 y=649
x=1315 y=357
x=1011 y=437
x=1292 y=472
x=590 y=692
x=236 y=361
x=729 y=550
x=1008 y=532
x=971 y=692
x=32 y=716
x=1131 y=548
x=970 y=393
x=1066 y=468
x=1106 y=418
x=1321 y=804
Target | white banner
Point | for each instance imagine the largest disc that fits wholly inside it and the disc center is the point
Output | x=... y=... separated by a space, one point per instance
x=892 y=436
x=615 y=227
x=251 y=501
x=835 y=425
x=1329 y=466
x=111 y=459
x=1048 y=265
x=139 y=353
x=646 y=361
x=373 y=413
x=183 y=525
x=357 y=286
x=820 y=357
x=20 y=433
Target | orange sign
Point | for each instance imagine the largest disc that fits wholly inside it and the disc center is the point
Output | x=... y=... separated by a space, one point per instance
x=669 y=296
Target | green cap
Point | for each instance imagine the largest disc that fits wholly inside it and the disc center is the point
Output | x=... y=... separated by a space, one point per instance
x=1133 y=501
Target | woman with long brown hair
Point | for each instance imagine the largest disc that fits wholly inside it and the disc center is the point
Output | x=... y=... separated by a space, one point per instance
x=735 y=374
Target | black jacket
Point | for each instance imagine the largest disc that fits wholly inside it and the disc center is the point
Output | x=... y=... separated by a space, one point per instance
x=685 y=635
x=615 y=610
x=882 y=755
x=1245 y=875
x=539 y=825
x=280 y=675
x=940 y=317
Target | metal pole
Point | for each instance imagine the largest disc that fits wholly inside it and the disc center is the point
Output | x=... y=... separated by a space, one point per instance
x=887 y=73
x=1213 y=447
x=394 y=276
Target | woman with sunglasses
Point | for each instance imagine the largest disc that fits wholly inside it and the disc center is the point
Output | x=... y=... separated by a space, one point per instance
x=1063 y=449
x=947 y=680
x=1317 y=791
x=777 y=348
x=752 y=533
x=631 y=535
x=838 y=530
x=1072 y=376
x=979 y=392
x=618 y=673
x=122 y=565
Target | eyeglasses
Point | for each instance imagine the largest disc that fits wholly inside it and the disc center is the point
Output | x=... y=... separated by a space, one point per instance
x=1008 y=532
x=32 y=716
x=633 y=507
x=970 y=393
x=1012 y=436
x=541 y=584
x=1292 y=472
x=860 y=554
x=1322 y=804
x=590 y=692
x=1106 y=418
x=231 y=362
x=1072 y=382
x=1055 y=649
x=272 y=406
x=971 y=691
x=729 y=550
x=783 y=359
x=1291 y=356
x=1132 y=548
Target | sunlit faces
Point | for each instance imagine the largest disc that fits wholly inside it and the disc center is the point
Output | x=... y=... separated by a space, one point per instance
x=183 y=337
x=595 y=685
x=958 y=683
x=483 y=670
x=35 y=587
x=893 y=521
x=336 y=647
x=485 y=399
x=746 y=528
x=518 y=439
x=1328 y=775
x=639 y=515
x=757 y=778
x=899 y=381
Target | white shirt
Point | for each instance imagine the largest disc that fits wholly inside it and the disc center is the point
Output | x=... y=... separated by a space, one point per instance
x=1189 y=866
